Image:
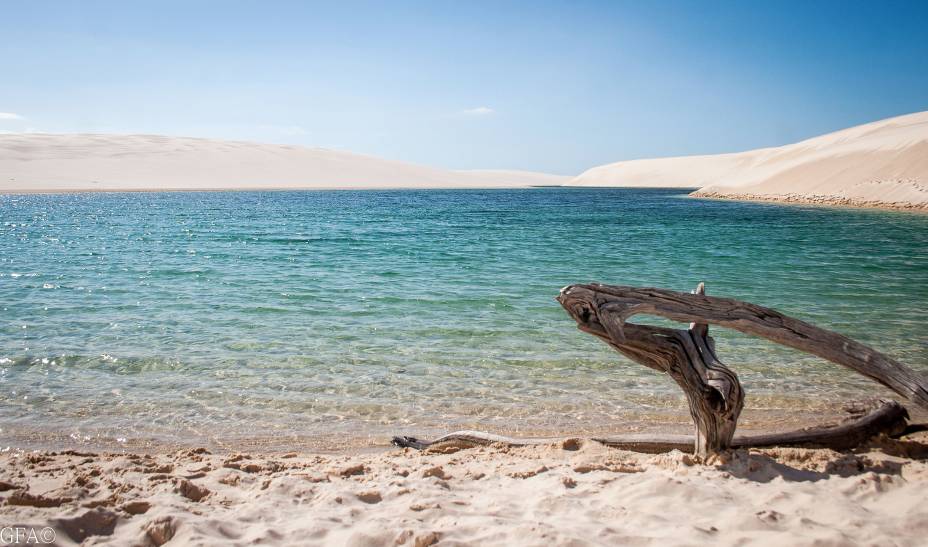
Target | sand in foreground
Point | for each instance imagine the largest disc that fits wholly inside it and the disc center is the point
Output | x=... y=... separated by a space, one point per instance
x=564 y=494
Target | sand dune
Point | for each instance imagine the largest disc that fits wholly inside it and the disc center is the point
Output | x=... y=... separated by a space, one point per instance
x=566 y=494
x=44 y=163
x=883 y=163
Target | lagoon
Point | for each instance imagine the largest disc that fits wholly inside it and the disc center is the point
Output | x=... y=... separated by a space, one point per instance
x=339 y=318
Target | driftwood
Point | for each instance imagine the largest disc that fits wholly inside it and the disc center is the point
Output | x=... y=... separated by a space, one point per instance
x=713 y=391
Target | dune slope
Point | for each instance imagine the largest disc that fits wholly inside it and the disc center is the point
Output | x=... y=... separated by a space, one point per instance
x=883 y=163
x=46 y=163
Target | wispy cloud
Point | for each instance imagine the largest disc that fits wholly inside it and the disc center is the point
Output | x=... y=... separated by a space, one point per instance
x=478 y=111
x=10 y=116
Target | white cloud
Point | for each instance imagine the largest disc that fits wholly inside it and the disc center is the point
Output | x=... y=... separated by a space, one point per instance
x=10 y=116
x=479 y=111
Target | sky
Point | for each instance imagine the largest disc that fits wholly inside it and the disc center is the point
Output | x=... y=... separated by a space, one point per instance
x=548 y=86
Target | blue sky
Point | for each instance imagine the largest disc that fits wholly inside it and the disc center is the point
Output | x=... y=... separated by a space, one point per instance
x=550 y=86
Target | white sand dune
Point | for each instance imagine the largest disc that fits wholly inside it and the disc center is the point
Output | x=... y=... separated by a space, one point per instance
x=47 y=163
x=546 y=495
x=883 y=163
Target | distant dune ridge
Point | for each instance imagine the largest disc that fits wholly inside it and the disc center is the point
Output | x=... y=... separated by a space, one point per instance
x=46 y=163
x=883 y=163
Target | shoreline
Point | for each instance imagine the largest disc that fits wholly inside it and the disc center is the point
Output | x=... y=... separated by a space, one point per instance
x=815 y=200
x=754 y=421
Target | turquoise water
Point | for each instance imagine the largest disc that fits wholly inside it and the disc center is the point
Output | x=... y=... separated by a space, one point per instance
x=329 y=318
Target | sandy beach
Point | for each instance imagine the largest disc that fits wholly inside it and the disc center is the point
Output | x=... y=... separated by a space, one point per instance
x=569 y=493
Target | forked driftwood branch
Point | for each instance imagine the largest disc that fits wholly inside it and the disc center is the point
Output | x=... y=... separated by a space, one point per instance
x=712 y=390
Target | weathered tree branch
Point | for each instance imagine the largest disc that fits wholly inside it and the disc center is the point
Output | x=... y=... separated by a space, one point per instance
x=620 y=303
x=713 y=392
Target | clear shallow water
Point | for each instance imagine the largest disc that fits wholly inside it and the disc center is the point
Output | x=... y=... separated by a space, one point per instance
x=292 y=318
